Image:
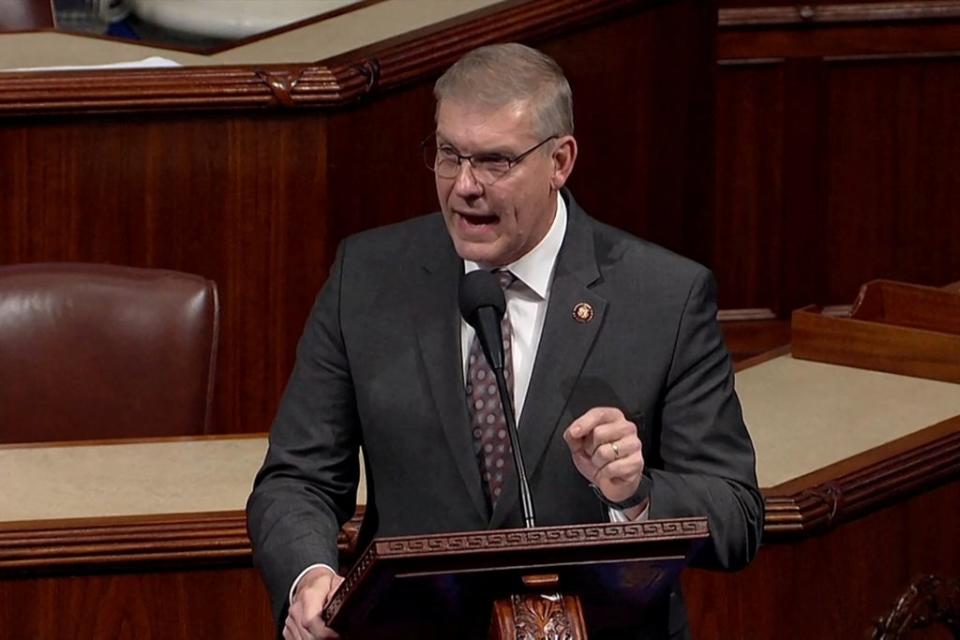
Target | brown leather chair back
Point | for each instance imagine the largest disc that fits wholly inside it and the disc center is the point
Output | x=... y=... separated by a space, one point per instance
x=99 y=351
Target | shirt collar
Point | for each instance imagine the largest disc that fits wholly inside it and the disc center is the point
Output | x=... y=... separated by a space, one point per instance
x=535 y=268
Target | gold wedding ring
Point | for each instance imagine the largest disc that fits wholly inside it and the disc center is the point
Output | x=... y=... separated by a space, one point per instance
x=616 y=449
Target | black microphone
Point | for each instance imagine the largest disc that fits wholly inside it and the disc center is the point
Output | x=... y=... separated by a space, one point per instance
x=482 y=305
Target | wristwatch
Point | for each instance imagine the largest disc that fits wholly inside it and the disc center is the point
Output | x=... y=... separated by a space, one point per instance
x=642 y=495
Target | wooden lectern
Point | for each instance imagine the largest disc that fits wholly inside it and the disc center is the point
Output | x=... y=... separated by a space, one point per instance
x=513 y=584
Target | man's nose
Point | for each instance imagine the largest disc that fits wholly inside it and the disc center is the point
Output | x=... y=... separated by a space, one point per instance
x=466 y=183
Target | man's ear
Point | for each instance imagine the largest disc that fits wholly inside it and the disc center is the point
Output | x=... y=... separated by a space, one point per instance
x=564 y=157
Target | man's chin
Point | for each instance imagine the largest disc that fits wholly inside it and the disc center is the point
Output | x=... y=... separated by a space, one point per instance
x=490 y=254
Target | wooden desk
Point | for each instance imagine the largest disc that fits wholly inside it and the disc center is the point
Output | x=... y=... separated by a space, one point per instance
x=131 y=539
x=860 y=472
x=148 y=540
x=134 y=540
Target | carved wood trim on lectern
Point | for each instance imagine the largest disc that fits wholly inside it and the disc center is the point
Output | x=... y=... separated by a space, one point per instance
x=538 y=617
x=520 y=539
x=533 y=545
x=929 y=601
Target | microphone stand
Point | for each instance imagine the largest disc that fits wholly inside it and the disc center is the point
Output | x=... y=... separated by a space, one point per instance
x=483 y=307
x=526 y=502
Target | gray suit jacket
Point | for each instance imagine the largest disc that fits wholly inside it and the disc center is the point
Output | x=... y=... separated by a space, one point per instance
x=379 y=365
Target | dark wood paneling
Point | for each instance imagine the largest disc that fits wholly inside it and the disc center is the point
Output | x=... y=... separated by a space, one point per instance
x=170 y=604
x=803 y=260
x=861 y=148
x=750 y=136
x=375 y=162
x=834 y=585
x=893 y=192
x=646 y=126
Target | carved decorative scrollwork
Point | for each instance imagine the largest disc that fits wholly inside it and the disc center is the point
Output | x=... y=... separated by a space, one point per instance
x=831 y=494
x=543 y=537
x=370 y=69
x=929 y=601
x=282 y=84
x=541 y=617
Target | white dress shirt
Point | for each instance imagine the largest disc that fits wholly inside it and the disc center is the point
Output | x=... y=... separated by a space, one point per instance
x=526 y=304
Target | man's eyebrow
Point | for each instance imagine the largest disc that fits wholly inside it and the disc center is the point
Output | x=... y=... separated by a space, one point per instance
x=443 y=141
x=508 y=153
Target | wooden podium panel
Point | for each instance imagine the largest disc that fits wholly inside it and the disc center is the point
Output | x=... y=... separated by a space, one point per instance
x=445 y=585
x=861 y=477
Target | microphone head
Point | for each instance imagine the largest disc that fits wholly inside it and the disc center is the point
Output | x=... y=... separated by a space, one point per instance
x=479 y=289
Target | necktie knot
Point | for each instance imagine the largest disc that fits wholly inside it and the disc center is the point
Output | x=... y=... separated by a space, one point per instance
x=505 y=278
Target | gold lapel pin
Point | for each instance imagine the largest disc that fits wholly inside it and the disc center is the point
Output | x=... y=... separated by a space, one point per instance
x=583 y=313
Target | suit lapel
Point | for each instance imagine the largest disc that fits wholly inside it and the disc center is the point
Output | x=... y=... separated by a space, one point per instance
x=437 y=319
x=564 y=346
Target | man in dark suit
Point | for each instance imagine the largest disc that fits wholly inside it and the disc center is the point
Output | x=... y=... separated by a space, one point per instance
x=623 y=387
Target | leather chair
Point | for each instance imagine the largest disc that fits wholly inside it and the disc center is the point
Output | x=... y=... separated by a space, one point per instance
x=92 y=351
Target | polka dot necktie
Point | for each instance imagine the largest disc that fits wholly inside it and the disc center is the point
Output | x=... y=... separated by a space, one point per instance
x=489 y=426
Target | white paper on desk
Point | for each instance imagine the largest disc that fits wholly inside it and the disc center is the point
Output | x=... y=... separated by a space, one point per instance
x=153 y=62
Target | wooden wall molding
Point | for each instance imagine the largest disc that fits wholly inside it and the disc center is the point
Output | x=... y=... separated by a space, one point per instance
x=806 y=14
x=863 y=483
x=110 y=542
x=96 y=544
x=339 y=81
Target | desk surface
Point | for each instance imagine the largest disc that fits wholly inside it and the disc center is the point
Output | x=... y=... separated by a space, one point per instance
x=139 y=478
x=803 y=416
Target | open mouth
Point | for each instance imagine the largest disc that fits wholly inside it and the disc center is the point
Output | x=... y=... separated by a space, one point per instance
x=477 y=220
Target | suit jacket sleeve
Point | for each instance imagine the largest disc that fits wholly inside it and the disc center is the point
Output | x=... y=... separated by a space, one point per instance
x=707 y=459
x=306 y=488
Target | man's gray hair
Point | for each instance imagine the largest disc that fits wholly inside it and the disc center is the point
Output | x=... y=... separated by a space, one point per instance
x=498 y=74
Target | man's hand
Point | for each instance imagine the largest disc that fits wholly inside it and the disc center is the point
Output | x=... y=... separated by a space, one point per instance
x=312 y=595
x=607 y=451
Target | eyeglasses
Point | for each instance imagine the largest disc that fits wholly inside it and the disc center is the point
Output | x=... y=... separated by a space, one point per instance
x=487 y=168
